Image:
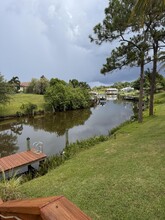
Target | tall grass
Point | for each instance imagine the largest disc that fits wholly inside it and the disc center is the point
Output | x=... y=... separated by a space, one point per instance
x=10 y=189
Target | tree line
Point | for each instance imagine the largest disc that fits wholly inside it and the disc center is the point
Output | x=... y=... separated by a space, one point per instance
x=58 y=94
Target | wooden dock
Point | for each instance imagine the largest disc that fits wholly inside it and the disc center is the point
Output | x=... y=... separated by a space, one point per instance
x=21 y=159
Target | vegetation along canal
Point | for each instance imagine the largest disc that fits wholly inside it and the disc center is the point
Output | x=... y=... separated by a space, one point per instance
x=55 y=131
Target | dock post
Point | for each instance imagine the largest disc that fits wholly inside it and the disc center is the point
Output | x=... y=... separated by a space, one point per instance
x=67 y=138
x=28 y=143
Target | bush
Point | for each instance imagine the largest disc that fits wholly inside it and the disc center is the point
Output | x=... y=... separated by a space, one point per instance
x=28 y=108
x=9 y=189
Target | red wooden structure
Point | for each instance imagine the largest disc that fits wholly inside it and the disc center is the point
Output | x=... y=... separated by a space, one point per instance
x=19 y=160
x=51 y=208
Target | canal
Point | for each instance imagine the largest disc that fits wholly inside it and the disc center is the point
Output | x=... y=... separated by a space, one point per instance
x=54 y=131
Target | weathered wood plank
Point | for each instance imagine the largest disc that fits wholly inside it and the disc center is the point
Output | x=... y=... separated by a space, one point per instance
x=31 y=206
x=62 y=209
x=50 y=208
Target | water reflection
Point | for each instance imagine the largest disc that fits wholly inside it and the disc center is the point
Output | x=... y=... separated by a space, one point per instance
x=60 y=122
x=8 y=143
x=57 y=131
x=16 y=128
x=111 y=97
x=40 y=129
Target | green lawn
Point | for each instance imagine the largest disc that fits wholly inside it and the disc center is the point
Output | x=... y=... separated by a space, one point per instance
x=18 y=99
x=122 y=178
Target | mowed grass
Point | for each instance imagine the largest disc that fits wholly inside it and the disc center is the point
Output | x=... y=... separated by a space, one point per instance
x=18 y=99
x=122 y=178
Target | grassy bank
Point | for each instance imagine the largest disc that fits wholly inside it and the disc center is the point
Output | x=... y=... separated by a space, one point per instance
x=18 y=99
x=122 y=178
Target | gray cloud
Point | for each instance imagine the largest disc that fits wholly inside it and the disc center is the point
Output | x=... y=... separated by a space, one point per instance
x=50 y=37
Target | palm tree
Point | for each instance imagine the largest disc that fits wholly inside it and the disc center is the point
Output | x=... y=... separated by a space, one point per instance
x=15 y=82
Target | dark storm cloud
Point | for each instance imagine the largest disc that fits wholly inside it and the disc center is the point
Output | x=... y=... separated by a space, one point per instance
x=50 y=37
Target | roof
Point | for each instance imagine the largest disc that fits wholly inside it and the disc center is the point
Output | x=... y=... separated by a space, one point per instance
x=127 y=88
x=20 y=159
x=50 y=208
x=111 y=89
x=24 y=84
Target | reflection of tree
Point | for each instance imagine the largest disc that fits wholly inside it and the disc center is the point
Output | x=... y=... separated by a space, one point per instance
x=8 y=144
x=118 y=101
x=61 y=121
x=16 y=128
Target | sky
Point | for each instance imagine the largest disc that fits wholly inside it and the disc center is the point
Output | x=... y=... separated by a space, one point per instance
x=51 y=38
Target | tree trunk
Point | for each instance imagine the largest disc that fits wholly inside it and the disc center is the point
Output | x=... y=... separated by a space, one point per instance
x=140 y=104
x=153 y=79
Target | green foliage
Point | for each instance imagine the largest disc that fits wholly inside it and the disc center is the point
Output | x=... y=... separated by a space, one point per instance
x=121 y=85
x=127 y=54
x=10 y=189
x=143 y=5
x=61 y=96
x=31 y=87
x=38 y=86
x=5 y=90
x=56 y=81
x=115 y=23
x=160 y=99
x=28 y=108
x=75 y=83
x=15 y=84
x=160 y=81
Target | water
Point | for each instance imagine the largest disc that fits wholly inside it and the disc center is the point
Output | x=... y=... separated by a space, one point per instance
x=55 y=131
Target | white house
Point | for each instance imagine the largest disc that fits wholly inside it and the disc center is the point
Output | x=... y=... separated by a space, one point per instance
x=111 y=91
x=127 y=89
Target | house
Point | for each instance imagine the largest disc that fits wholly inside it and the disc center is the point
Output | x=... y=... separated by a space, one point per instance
x=127 y=89
x=23 y=86
x=111 y=91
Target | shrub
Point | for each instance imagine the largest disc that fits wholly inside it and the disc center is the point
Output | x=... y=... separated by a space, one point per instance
x=9 y=189
x=28 y=108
